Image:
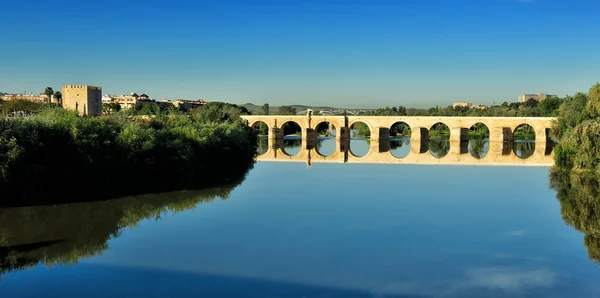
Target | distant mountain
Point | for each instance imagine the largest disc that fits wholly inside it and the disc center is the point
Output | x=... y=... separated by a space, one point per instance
x=299 y=108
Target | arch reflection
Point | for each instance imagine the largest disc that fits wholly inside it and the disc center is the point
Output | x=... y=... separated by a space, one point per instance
x=478 y=148
x=476 y=152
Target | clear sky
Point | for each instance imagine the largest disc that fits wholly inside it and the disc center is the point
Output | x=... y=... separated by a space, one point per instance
x=342 y=53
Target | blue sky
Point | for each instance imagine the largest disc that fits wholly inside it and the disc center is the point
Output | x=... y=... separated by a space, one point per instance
x=343 y=53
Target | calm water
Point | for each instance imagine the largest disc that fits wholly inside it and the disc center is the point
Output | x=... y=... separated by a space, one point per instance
x=331 y=230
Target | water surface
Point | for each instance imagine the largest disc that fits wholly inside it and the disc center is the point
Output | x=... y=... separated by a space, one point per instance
x=331 y=230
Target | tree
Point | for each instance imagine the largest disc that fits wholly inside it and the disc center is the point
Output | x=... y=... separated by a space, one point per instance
x=549 y=106
x=531 y=103
x=402 y=111
x=265 y=109
x=49 y=92
x=287 y=110
x=58 y=96
x=570 y=113
x=593 y=104
x=219 y=112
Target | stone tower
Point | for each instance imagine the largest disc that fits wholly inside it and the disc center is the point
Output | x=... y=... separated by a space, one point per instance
x=86 y=100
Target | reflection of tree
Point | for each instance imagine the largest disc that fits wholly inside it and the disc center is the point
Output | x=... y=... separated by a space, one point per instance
x=261 y=128
x=579 y=197
x=64 y=233
x=439 y=148
x=263 y=146
x=292 y=143
x=477 y=148
x=397 y=144
x=524 y=149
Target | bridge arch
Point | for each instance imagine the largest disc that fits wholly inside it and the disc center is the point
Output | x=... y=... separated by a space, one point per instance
x=400 y=129
x=261 y=127
x=325 y=128
x=439 y=130
x=479 y=130
x=292 y=127
x=358 y=122
x=524 y=132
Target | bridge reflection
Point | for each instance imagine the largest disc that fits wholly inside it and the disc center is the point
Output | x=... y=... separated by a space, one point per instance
x=405 y=151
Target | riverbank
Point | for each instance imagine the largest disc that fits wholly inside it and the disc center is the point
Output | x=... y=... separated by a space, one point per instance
x=57 y=156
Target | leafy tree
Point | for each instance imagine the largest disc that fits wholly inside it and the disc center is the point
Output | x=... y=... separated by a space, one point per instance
x=549 y=106
x=219 y=112
x=111 y=107
x=402 y=111
x=362 y=130
x=287 y=110
x=593 y=104
x=58 y=96
x=168 y=151
x=531 y=103
x=49 y=92
x=570 y=113
x=265 y=109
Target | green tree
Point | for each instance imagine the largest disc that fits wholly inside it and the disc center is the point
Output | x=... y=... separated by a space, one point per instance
x=265 y=109
x=402 y=111
x=362 y=130
x=49 y=92
x=531 y=103
x=593 y=104
x=58 y=96
x=549 y=106
x=220 y=112
x=287 y=110
x=571 y=112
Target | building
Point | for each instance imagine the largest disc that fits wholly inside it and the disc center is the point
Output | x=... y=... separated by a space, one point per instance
x=86 y=100
x=188 y=104
x=462 y=104
x=126 y=101
x=38 y=98
x=538 y=97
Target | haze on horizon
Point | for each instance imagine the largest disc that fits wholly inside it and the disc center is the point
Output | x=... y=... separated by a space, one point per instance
x=350 y=54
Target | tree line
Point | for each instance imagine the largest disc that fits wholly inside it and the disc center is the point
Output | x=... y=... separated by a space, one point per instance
x=57 y=154
x=530 y=108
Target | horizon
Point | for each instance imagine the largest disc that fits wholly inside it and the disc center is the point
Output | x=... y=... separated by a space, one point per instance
x=354 y=54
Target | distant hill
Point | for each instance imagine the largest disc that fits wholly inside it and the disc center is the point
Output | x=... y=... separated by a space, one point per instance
x=299 y=108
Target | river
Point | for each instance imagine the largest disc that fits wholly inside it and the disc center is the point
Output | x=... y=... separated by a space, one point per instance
x=326 y=230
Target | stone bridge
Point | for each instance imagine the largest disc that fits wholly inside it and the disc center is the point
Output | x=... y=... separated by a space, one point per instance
x=499 y=154
x=501 y=128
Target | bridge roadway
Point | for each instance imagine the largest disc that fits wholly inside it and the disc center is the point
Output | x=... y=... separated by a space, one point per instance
x=499 y=154
x=501 y=128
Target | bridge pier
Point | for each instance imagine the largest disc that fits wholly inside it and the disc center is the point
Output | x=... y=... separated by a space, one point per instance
x=501 y=134
x=458 y=134
x=342 y=133
x=275 y=133
x=309 y=134
x=380 y=133
x=419 y=134
x=542 y=135
x=459 y=147
x=419 y=146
